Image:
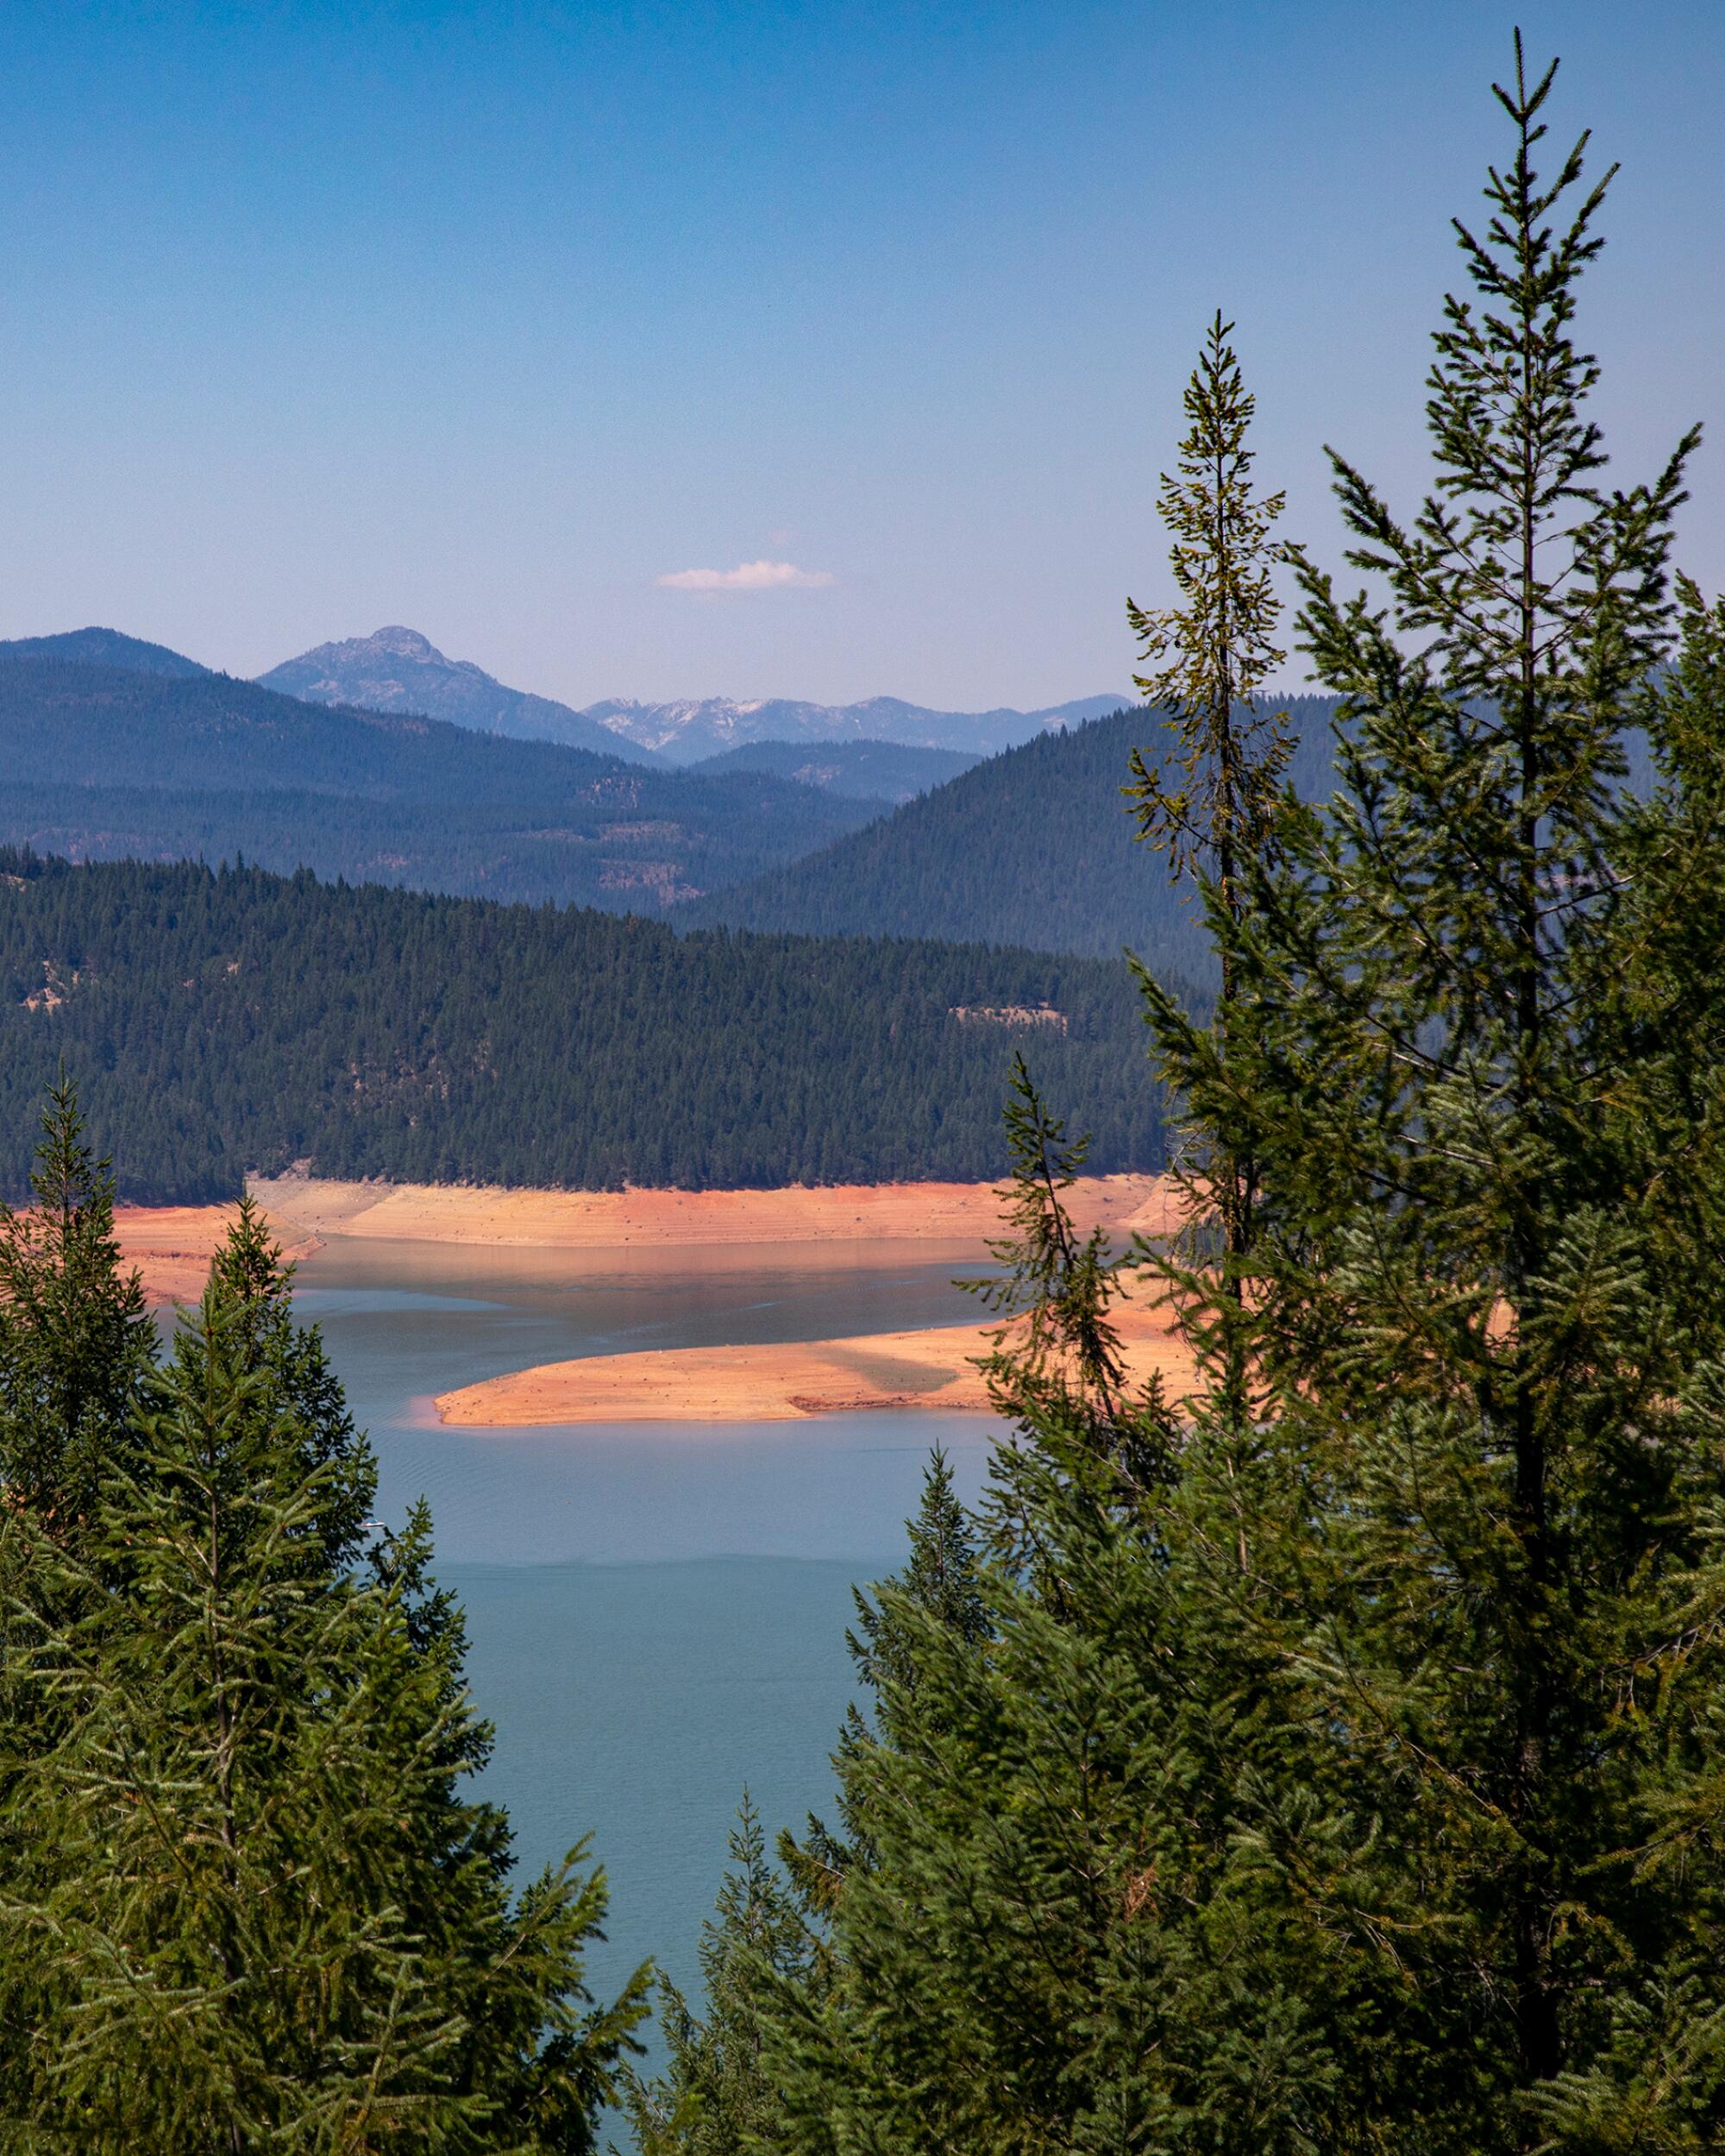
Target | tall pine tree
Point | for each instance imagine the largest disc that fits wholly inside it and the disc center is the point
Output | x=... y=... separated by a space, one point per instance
x=779 y=2019
x=75 y=1343
x=246 y=1901
x=1210 y=657
x=1354 y=1785
x=1492 y=1391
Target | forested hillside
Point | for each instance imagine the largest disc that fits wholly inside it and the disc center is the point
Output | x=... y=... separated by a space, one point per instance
x=105 y=647
x=1034 y=847
x=864 y=770
x=108 y=762
x=217 y=1022
x=80 y=724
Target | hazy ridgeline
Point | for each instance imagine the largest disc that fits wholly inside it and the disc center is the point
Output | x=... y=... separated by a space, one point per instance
x=111 y=761
x=865 y=770
x=597 y=850
x=222 y=1020
x=1032 y=847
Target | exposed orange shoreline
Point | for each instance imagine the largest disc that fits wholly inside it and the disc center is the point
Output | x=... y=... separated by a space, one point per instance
x=934 y=1369
x=171 y=1245
x=850 y=1212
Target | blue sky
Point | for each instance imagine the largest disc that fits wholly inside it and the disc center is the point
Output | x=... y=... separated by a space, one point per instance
x=484 y=318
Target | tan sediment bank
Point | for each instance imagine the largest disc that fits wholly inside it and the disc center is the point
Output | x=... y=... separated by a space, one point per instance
x=772 y=1384
x=171 y=1245
x=954 y=1213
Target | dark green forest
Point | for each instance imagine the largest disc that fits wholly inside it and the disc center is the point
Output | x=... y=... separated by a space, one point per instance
x=217 y=1022
x=109 y=761
x=1030 y=847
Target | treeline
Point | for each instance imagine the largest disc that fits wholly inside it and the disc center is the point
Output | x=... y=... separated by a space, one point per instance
x=224 y=1021
x=603 y=850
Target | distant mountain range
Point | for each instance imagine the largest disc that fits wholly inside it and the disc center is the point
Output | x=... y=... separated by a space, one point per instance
x=151 y=756
x=398 y=669
x=112 y=747
x=685 y=732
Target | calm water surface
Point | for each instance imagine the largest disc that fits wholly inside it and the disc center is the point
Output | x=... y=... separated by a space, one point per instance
x=656 y=1611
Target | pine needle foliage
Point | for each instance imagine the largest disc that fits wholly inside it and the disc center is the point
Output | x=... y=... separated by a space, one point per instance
x=1054 y=1288
x=1215 y=651
x=779 y=2020
x=74 y=1340
x=1490 y=1385
x=943 y=1582
x=1050 y=1946
x=1208 y=656
x=246 y=1902
x=717 y=2096
x=1355 y=1785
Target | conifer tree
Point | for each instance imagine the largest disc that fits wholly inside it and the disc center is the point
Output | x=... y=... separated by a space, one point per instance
x=251 y=1276
x=716 y=2096
x=75 y=1344
x=767 y=1964
x=1052 y=1288
x=246 y=1903
x=1487 y=1378
x=942 y=1583
x=1040 y=1936
x=1209 y=656
x=1356 y=1786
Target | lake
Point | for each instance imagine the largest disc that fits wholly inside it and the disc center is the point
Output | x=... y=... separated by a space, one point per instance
x=657 y=1612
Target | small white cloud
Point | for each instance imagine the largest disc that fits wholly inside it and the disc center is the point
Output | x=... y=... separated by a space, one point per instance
x=749 y=576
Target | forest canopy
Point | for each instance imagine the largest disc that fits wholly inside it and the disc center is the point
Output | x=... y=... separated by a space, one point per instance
x=218 y=1022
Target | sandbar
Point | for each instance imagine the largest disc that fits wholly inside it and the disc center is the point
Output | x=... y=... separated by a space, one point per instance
x=934 y=1368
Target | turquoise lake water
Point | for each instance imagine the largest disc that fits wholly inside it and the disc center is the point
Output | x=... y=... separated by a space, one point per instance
x=656 y=1611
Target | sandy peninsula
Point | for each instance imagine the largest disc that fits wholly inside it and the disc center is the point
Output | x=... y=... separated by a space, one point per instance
x=862 y=1214
x=773 y=1384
